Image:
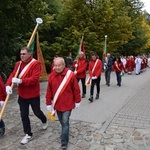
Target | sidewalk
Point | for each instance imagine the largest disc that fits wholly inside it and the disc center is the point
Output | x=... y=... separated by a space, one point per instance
x=129 y=128
x=119 y=120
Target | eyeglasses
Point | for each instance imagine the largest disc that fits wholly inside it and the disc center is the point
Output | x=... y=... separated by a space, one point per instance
x=22 y=53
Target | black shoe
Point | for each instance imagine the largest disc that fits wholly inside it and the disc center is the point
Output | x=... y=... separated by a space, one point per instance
x=64 y=147
x=83 y=95
x=91 y=99
x=2 y=131
x=97 y=96
x=117 y=83
x=108 y=84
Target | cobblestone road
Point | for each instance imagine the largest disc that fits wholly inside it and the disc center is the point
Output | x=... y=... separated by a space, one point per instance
x=119 y=120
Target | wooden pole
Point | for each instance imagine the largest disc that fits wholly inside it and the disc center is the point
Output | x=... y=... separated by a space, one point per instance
x=32 y=36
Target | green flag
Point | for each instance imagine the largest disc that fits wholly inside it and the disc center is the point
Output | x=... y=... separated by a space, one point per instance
x=80 y=48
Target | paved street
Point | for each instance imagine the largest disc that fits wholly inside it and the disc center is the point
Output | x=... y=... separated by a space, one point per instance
x=119 y=120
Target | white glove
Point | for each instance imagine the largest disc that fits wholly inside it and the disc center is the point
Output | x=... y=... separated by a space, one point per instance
x=1 y=103
x=8 y=90
x=49 y=108
x=77 y=105
x=16 y=80
x=75 y=72
x=76 y=65
x=94 y=77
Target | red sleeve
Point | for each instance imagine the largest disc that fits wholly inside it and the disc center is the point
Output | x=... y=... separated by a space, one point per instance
x=76 y=90
x=12 y=74
x=73 y=65
x=114 y=66
x=82 y=67
x=49 y=93
x=2 y=90
x=90 y=68
x=127 y=64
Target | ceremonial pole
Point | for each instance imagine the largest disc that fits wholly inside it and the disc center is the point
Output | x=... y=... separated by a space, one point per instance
x=105 y=45
x=104 y=53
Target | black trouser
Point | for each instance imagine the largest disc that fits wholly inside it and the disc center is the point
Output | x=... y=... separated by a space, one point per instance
x=24 y=112
x=118 y=78
x=97 y=83
x=2 y=125
x=83 y=85
x=107 y=76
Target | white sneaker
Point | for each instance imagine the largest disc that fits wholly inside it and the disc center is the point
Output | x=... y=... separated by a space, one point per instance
x=44 y=125
x=26 y=139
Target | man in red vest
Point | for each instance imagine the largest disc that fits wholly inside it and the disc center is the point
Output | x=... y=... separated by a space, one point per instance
x=63 y=95
x=95 y=69
x=29 y=71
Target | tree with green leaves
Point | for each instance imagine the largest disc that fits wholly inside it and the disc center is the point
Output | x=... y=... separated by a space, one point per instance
x=17 y=23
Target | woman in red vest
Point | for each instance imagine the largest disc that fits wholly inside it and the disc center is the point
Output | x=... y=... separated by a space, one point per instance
x=118 y=68
x=80 y=70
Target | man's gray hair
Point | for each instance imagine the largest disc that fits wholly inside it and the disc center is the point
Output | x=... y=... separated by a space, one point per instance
x=60 y=58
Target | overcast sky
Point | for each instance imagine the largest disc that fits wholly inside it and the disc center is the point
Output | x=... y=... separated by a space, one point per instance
x=146 y=5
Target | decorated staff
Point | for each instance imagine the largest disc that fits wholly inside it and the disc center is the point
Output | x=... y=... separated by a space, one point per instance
x=104 y=54
x=39 y=21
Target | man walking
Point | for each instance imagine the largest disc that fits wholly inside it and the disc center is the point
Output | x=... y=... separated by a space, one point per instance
x=80 y=70
x=63 y=95
x=95 y=69
x=108 y=62
x=27 y=81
